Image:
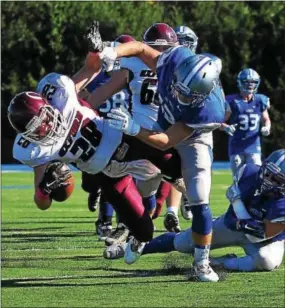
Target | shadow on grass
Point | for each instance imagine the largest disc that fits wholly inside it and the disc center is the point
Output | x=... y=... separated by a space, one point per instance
x=56 y=281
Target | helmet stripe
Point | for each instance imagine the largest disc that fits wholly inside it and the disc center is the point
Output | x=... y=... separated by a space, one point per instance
x=280 y=160
x=196 y=68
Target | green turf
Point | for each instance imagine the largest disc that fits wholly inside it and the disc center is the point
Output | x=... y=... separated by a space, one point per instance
x=52 y=259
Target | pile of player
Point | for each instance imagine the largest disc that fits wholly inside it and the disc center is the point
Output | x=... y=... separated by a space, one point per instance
x=142 y=128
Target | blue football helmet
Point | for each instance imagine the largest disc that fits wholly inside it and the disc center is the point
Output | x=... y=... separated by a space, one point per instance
x=248 y=81
x=187 y=37
x=217 y=61
x=272 y=173
x=194 y=79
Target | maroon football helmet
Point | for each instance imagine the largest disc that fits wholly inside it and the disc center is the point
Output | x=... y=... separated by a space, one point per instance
x=33 y=117
x=160 y=34
x=124 y=38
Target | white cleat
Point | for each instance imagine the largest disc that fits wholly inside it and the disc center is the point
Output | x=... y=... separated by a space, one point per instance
x=133 y=250
x=115 y=251
x=205 y=273
x=186 y=208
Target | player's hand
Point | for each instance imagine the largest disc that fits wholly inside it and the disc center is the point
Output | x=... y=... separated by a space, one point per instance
x=251 y=226
x=265 y=131
x=93 y=38
x=230 y=129
x=54 y=177
x=120 y=119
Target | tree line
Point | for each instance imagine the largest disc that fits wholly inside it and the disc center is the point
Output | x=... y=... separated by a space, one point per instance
x=42 y=37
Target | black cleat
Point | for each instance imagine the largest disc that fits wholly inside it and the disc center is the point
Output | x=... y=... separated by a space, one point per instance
x=171 y=222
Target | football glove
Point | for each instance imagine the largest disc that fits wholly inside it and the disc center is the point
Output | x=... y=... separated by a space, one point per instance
x=265 y=131
x=251 y=226
x=230 y=129
x=93 y=38
x=55 y=176
x=121 y=120
x=108 y=56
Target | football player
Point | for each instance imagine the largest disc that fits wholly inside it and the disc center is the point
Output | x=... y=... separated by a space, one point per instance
x=191 y=103
x=255 y=221
x=56 y=125
x=103 y=225
x=248 y=118
x=142 y=83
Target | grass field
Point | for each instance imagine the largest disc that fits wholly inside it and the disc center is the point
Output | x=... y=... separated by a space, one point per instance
x=53 y=259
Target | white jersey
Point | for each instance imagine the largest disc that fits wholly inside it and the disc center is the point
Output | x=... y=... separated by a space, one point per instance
x=143 y=86
x=88 y=141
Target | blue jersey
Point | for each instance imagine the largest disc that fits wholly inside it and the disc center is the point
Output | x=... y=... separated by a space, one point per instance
x=206 y=117
x=259 y=206
x=247 y=115
x=119 y=99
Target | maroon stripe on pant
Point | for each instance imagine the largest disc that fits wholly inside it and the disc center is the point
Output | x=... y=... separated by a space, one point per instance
x=161 y=195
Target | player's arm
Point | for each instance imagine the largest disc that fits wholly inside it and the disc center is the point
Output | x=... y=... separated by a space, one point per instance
x=121 y=120
x=42 y=200
x=229 y=129
x=117 y=82
x=265 y=130
x=163 y=141
x=87 y=72
x=138 y=49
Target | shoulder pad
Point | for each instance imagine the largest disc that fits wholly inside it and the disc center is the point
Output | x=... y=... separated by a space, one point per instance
x=165 y=55
x=265 y=101
x=57 y=89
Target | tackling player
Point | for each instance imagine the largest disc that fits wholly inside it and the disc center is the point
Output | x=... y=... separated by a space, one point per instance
x=255 y=221
x=192 y=103
x=247 y=115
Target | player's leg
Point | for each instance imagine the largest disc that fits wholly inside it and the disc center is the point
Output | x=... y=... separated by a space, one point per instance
x=171 y=219
x=196 y=168
x=123 y=194
x=104 y=222
x=148 y=191
x=161 y=195
x=91 y=185
x=259 y=257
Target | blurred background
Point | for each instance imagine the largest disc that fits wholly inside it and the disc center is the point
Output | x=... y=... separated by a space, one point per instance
x=42 y=37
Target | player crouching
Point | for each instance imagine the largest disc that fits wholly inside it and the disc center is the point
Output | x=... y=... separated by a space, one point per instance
x=254 y=221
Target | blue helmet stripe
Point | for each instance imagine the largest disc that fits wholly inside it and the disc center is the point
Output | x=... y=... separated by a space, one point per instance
x=280 y=160
x=198 y=66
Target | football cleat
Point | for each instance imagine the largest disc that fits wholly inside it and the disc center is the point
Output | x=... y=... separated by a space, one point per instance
x=185 y=208
x=115 y=251
x=118 y=236
x=171 y=222
x=134 y=250
x=103 y=229
x=94 y=200
x=205 y=273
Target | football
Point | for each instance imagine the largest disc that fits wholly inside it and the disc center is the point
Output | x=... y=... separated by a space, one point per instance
x=64 y=192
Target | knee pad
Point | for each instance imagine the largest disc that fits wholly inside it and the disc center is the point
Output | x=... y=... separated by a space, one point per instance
x=149 y=203
x=202 y=219
x=264 y=261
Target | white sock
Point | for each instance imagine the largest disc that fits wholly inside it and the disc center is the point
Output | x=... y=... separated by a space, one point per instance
x=201 y=255
x=173 y=209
